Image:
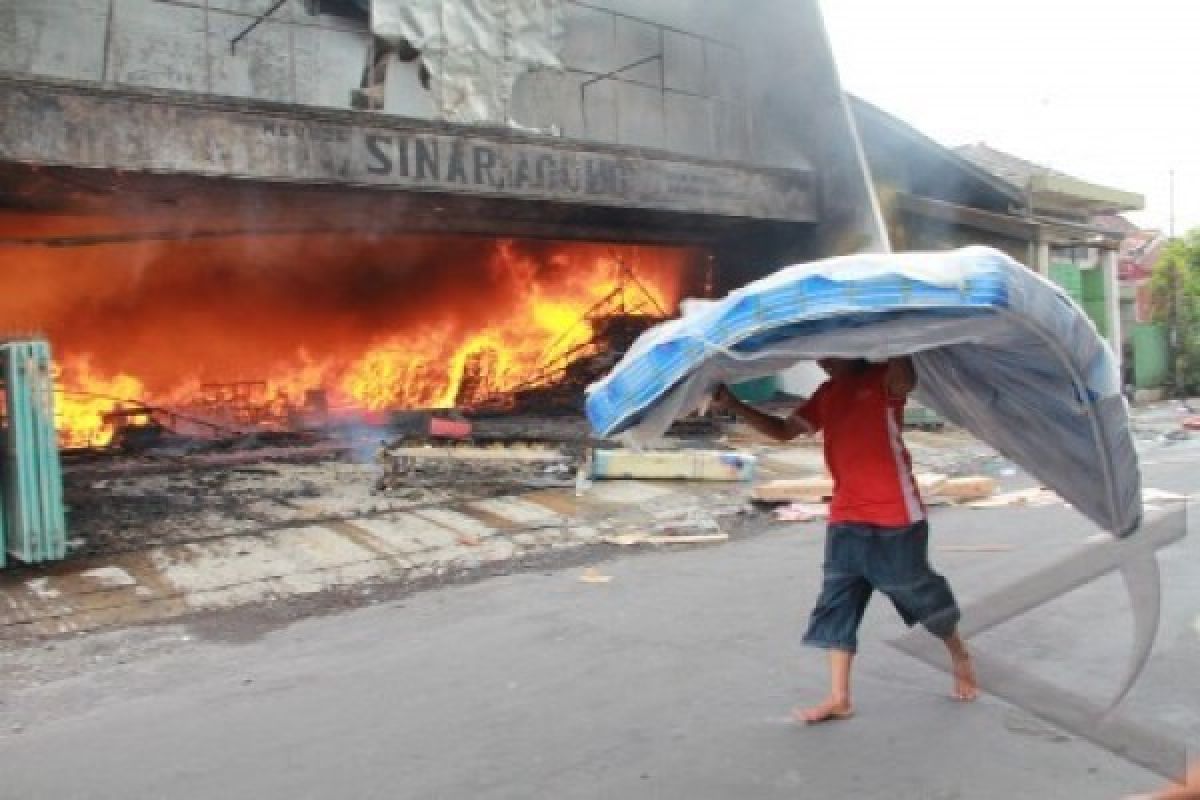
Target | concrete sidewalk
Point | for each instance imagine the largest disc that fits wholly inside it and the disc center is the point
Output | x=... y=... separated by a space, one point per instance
x=348 y=537
x=415 y=546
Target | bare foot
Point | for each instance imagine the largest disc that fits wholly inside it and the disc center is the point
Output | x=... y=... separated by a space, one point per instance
x=831 y=710
x=966 y=688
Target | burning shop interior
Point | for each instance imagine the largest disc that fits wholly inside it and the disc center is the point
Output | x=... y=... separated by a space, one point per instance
x=209 y=371
x=250 y=279
x=208 y=338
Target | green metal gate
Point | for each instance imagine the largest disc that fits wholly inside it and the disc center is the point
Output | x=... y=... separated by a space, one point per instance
x=1151 y=356
x=33 y=522
x=1086 y=287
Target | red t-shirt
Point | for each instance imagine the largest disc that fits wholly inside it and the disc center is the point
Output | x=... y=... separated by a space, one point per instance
x=871 y=468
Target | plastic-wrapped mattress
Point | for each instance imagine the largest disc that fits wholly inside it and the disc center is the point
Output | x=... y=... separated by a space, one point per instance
x=998 y=350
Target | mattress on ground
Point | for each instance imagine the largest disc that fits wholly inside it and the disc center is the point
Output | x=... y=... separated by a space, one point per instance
x=998 y=350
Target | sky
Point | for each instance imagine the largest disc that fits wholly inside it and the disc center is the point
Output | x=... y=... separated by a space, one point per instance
x=1106 y=91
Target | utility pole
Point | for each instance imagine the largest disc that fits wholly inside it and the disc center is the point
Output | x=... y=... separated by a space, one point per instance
x=1171 y=229
x=1173 y=327
x=1174 y=350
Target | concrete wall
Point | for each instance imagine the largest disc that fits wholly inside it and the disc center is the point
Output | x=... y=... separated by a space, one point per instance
x=692 y=95
x=690 y=98
x=293 y=57
x=720 y=80
x=60 y=39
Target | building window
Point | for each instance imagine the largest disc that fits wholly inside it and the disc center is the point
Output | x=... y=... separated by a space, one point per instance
x=352 y=9
x=1071 y=255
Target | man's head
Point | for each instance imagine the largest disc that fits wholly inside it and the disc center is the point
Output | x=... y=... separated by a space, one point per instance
x=842 y=366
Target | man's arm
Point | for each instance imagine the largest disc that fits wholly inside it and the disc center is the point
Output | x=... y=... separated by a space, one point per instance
x=778 y=428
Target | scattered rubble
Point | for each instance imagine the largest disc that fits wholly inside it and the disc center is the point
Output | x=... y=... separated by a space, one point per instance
x=683 y=464
x=679 y=526
x=801 y=512
x=805 y=499
x=512 y=468
x=696 y=538
x=633 y=539
x=593 y=575
x=108 y=577
x=803 y=490
x=1033 y=498
x=1161 y=496
x=129 y=511
x=626 y=539
x=958 y=490
x=425 y=503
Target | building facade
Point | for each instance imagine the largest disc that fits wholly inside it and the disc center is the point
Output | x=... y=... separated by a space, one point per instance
x=1074 y=246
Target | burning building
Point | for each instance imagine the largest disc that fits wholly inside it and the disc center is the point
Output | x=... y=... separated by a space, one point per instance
x=244 y=214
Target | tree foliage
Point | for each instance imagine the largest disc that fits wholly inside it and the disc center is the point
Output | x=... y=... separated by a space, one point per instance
x=1175 y=293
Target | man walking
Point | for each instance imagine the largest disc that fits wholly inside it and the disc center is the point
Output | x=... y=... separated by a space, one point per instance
x=878 y=536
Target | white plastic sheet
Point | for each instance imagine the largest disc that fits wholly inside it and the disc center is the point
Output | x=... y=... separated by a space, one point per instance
x=475 y=49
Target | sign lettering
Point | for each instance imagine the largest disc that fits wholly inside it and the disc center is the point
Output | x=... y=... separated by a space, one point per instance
x=120 y=130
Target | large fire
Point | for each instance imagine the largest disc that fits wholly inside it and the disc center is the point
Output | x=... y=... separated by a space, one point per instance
x=282 y=324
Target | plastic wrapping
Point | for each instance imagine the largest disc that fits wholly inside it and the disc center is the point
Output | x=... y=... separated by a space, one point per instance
x=475 y=50
x=998 y=350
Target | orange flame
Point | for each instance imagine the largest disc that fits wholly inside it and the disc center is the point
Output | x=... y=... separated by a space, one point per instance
x=83 y=398
x=377 y=325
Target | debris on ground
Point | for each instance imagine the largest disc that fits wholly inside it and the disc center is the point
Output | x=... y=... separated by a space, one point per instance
x=593 y=575
x=960 y=490
x=165 y=492
x=626 y=539
x=935 y=488
x=693 y=465
x=1161 y=496
x=678 y=526
x=801 y=512
x=686 y=538
x=633 y=539
x=1033 y=498
x=688 y=520
x=455 y=429
x=472 y=454
x=515 y=467
x=928 y=481
x=802 y=490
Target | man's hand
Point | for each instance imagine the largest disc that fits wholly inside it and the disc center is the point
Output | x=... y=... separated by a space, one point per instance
x=723 y=399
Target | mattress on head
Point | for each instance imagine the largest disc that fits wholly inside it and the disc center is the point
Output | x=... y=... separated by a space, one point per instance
x=998 y=349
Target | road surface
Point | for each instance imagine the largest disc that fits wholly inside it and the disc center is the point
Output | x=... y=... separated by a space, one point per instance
x=674 y=680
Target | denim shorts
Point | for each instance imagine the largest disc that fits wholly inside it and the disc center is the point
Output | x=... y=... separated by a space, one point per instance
x=861 y=558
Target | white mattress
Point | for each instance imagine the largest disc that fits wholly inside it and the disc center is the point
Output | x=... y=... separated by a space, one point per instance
x=998 y=349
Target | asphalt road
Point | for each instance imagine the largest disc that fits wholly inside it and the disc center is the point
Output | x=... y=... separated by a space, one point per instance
x=673 y=680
